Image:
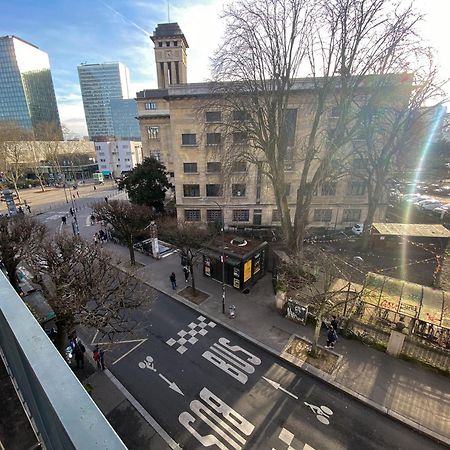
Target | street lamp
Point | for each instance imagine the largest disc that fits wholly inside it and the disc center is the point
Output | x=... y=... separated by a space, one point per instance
x=223 y=255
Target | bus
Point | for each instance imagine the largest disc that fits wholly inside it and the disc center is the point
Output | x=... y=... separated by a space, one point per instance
x=98 y=178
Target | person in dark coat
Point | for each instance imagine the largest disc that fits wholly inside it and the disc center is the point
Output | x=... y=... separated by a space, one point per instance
x=186 y=273
x=173 y=280
x=334 y=323
x=79 y=354
x=331 y=337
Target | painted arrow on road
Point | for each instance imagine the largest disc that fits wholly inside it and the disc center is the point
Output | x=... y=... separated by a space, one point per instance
x=171 y=384
x=278 y=386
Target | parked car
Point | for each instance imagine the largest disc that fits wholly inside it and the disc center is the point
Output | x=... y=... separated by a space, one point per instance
x=441 y=209
x=358 y=229
x=419 y=203
x=431 y=206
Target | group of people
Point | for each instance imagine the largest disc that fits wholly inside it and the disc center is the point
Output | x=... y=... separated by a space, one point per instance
x=173 y=278
x=100 y=237
x=78 y=351
x=332 y=332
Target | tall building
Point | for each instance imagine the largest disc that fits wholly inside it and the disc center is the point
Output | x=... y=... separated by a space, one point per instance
x=27 y=95
x=124 y=118
x=100 y=83
x=178 y=130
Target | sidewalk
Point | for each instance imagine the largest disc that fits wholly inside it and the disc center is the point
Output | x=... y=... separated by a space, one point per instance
x=415 y=395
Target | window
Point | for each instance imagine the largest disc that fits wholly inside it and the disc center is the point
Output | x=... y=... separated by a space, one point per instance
x=213 y=138
x=213 y=167
x=240 y=116
x=192 y=215
x=356 y=188
x=213 y=116
x=191 y=190
x=153 y=132
x=276 y=215
x=239 y=137
x=241 y=215
x=190 y=167
x=213 y=190
x=335 y=112
x=351 y=215
x=156 y=155
x=150 y=105
x=238 y=190
x=175 y=43
x=328 y=189
x=159 y=44
x=167 y=43
x=239 y=166
x=322 y=215
x=214 y=215
x=188 y=139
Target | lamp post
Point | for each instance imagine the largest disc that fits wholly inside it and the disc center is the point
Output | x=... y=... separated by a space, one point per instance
x=223 y=256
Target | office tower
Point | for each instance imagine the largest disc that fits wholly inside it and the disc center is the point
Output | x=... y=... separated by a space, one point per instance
x=124 y=117
x=27 y=95
x=100 y=83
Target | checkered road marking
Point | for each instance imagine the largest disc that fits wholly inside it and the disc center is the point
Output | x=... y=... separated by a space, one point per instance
x=196 y=329
x=289 y=439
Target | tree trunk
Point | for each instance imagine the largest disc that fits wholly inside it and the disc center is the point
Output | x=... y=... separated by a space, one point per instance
x=17 y=191
x=131 y=250
x=61 y=338
x=365 y=239
x=191 y=268
x=317 y=329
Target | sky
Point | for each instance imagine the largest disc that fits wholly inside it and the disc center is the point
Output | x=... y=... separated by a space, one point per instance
x=94 y=31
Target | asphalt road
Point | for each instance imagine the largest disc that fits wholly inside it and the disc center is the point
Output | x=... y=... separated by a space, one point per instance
x=216 y=389
x=208 y=387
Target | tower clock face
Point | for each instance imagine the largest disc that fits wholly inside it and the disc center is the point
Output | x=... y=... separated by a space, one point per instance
x=168 y=54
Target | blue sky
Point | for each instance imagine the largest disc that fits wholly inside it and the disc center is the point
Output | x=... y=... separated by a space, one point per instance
x=75 y=31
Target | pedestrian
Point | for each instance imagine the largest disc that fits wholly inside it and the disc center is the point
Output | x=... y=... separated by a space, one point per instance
x=20 y=210
x=78 y=194
x=186 y=273
x=79 y=354
x=331 y=337
x=95 y=239
x=102 y=359
x=96 y=356
x=173 y=280
x=92 y=219
x=106 y=199
x=63 y=220
x=334 y=323
x=71 y=211
x=29 y=208
x=95 y=187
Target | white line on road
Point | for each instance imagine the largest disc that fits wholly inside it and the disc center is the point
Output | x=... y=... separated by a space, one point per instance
x=129 y=351
x=278 y=386
x=171 y=384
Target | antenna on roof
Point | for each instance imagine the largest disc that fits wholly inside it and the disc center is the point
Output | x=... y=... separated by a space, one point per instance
x=168 y=11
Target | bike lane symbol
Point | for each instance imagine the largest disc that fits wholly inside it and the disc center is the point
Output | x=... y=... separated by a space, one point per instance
x=322 y=413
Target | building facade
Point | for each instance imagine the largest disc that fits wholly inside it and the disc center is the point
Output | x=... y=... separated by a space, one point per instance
x=117 y=158
x=101 y=83
x=177 y=130
x=27 y=95
x=124 y=119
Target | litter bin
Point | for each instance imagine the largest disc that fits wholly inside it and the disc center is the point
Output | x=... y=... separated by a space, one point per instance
x=232 y=311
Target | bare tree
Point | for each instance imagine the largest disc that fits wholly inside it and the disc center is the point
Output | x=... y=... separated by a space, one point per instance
x=126 y=219
x=20 y=238
x=34 y=156
x=13 y=153
x=189 y=238
x=83 y=286
x=341 y=44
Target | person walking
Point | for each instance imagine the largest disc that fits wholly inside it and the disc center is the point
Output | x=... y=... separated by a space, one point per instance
x=173 y=280
x=96 y=356
x=71 y=211
x=78 y=194
x=186 y=273
x=29 y=209
x=331 y=337
x=106 y=199
x=95 y=187
x=334 y=323
x=79 y=354
x=63 y=220
x=102 y=359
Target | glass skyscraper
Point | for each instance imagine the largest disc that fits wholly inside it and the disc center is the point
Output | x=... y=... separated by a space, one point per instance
x=100 y=83
x=27 y=95
x=124 y=117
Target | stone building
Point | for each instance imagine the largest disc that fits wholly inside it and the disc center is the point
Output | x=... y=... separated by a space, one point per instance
x=177 y=130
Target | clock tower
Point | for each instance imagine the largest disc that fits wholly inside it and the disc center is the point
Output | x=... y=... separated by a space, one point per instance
x=170 y=54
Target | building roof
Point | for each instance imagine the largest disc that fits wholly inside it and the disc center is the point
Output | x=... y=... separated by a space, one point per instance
x=168 y=30
x=411 y=230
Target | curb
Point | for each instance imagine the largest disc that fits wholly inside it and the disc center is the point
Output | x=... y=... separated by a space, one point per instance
x=329 y=379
